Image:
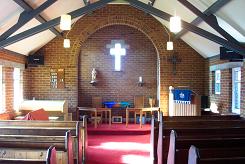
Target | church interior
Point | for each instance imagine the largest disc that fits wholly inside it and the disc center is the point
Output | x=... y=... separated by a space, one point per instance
x=122 y=82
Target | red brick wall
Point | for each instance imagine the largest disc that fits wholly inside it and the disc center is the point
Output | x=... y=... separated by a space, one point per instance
x=8 y=81
x=190 y=71
x=140 y=60
x=11 y=56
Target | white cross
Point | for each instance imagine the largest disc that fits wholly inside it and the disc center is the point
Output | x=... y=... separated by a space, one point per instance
x=118 y=51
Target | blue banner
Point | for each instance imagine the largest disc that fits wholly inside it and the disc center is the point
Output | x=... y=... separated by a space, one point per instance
x=182 y=96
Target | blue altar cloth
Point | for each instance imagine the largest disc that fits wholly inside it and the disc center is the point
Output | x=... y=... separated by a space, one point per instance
x=111 y=104
x=182 y=96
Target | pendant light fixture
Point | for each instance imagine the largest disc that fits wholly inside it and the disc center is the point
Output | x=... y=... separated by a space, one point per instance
x=65 y=22
x=170 y=44
x=175 y=24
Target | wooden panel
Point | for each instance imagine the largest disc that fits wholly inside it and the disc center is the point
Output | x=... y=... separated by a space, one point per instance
x=193 y=109
x=53 y=107
x=96 y=101
x=139 y=101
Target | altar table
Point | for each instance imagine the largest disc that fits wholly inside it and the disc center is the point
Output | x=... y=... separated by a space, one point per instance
x=141 y=111
x=96 y=110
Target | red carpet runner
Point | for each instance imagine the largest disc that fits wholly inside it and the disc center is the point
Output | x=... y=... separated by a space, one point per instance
x=119 y=145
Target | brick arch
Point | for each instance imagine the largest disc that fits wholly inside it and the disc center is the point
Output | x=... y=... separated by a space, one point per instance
x=147 y=24
x=191 y=71
x=148 y=30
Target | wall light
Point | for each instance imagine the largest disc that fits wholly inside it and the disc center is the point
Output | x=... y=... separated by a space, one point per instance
x=170 y=45
x=66 y=43
x=175 y=24
x=65 y=22
x=140 y=82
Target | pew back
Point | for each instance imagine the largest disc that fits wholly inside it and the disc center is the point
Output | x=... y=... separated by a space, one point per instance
x=33 y=148
x=199 y=126
x=49 y=128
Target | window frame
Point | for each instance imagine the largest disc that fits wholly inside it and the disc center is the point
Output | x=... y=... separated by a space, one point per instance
x=217 y=80
x=18 y=93
x=236 y=110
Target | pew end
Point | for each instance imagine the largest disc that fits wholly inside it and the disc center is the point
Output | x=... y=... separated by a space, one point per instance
x=171 y=148
x=193 y=155
x=51 y=155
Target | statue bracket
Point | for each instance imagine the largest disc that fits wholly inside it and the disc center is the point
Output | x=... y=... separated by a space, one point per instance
x=93 y=83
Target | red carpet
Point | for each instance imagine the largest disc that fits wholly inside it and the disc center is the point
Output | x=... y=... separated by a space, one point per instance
x=124 y=146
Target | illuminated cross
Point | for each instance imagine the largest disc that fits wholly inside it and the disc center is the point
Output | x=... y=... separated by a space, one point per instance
x=117 y=50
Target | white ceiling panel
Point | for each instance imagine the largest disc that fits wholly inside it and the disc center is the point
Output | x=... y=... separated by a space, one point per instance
x=9 y=14
x=233 y=14
x=231 y=30
x=8 y=10
x=173 y=7
x=202 y=5
x=32 y=44
x=203 y=46
x=58 y=8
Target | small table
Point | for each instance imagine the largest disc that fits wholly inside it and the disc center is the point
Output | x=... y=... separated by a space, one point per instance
x=152 y=109
x=140 y=110
x=96 y=110
x=128 y=110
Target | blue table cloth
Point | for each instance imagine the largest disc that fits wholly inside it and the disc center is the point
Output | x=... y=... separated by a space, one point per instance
x=182 y=96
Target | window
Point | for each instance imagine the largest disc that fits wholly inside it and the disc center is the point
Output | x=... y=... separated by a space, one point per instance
x=217 y=82
x=2 y=105
x=118 y=51
x=236 y=89
x=18 y=90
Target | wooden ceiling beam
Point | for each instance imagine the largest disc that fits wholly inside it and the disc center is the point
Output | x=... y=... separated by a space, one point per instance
x=211 y=10
x=29 y=9
x=54 y=22
x=188 y=26
x=211 y=20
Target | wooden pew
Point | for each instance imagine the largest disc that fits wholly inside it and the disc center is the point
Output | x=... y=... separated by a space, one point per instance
x=204 y=123
x=51 y=155
x=55 y=108
x=215 y=148
x=50 y=159
x=204 y=139
x=204 y=117
x=153 y=140
x=194 y=157
x=29 y=147
x=199 y=126
x=49 y=128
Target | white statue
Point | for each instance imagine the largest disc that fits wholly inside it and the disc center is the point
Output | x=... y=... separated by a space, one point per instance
x=94 y=73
